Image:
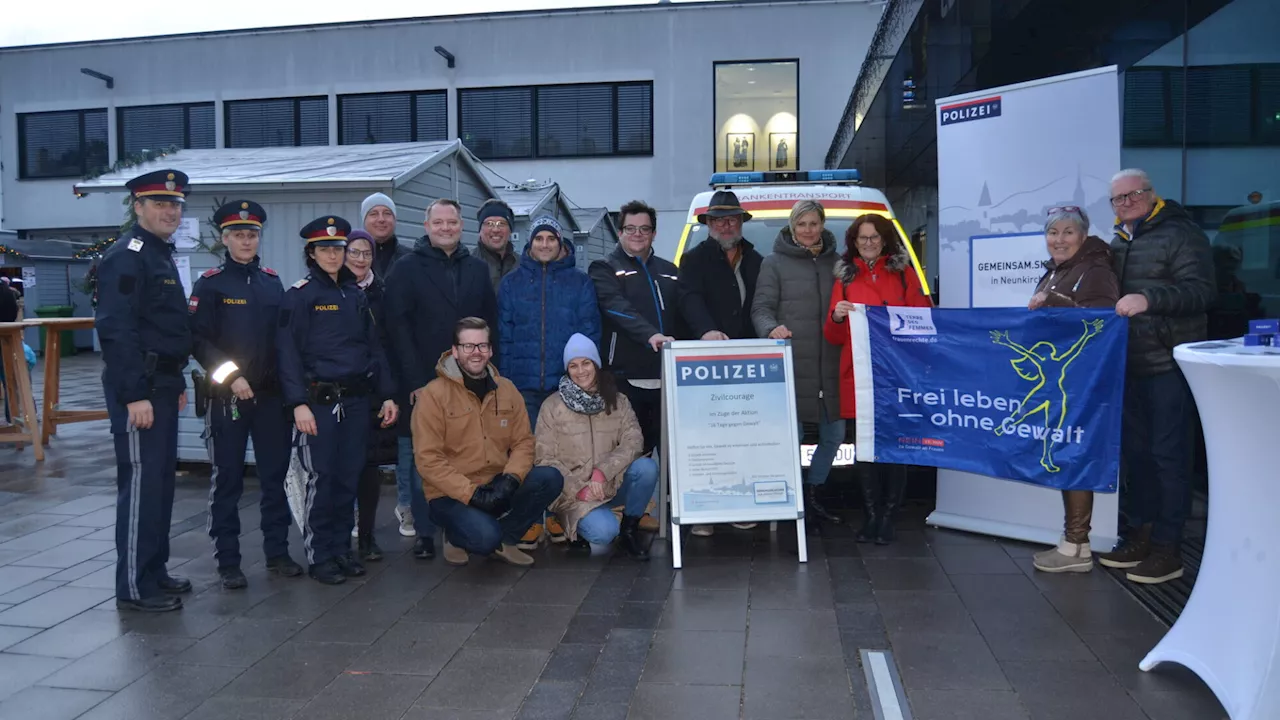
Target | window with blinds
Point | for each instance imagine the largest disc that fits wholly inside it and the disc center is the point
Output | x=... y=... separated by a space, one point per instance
x=1219 y=105
x=280 y=122
x=558 y=121
x=393 y=117
x=154 y=127
x=62 y=144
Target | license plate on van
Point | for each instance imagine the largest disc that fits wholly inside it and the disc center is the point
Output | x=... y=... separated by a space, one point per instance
x=844 y=456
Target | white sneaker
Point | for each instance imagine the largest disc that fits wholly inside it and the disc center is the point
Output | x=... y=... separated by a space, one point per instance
x=703 y=530
x=405 y=516
x=744 y=526
x=355 y=528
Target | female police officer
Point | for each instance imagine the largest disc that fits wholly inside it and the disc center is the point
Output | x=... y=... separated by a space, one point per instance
x=330 y=364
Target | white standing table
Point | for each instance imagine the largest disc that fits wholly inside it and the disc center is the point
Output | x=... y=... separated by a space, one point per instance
x=1229 y=632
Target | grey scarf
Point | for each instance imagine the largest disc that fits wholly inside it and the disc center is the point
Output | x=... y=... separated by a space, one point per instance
x=579 y=400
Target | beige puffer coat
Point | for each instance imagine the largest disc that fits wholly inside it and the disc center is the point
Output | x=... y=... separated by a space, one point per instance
x=575 y=444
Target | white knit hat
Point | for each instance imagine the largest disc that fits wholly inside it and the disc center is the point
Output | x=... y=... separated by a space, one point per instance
x=374 y=201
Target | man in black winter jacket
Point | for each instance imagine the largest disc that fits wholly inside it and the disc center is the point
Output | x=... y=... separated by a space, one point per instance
x=1165 y=267
x=722 y=269
x=378 y=213
x=642 y=305
x=427 y=292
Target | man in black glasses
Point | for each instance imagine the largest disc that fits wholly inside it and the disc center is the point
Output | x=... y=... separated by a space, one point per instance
x=473 y=445
x=1165 y=268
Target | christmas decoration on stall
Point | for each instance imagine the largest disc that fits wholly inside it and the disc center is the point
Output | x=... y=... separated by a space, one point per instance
x=10 y=252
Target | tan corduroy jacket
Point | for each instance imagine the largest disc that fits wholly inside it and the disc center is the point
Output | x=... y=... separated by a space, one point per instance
x=460 y=442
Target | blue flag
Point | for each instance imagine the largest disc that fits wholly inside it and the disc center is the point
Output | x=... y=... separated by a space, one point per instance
x=1033 y=396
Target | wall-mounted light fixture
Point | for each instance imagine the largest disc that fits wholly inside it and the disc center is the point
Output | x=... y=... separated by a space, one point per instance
x=448 y=56
x=110 y=81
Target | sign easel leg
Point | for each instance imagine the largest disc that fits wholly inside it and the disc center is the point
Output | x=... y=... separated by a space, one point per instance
x=676 y=560
x=802 y=541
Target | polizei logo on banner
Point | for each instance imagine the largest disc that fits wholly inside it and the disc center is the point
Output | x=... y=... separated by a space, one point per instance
x=970 y=110
x=730 y=369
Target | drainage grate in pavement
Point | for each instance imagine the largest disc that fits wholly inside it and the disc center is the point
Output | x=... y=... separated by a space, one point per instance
x=1168 y=599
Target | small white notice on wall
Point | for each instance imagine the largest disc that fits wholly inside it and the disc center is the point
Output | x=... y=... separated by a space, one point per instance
x=188 y=235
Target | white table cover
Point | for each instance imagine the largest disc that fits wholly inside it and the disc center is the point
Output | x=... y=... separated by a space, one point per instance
x=1229 y=632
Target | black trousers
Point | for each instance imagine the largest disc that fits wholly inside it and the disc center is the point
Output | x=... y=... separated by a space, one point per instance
x=647 y=405
x=367 y=493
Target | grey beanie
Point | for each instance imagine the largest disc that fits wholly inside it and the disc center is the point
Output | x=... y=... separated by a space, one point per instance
x=374 y=201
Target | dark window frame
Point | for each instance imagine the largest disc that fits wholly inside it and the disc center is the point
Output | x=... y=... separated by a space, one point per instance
x=23 y=162
x=413 y=110
x=534 y=129
x=715 y=130
x=227 y=105
x=1174 y=79
x=186 y=122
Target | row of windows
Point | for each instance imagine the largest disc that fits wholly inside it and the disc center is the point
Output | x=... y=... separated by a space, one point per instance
x=1211 y=105
x=600 y=119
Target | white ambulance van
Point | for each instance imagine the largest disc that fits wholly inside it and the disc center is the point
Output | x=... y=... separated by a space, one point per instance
x=769 y=197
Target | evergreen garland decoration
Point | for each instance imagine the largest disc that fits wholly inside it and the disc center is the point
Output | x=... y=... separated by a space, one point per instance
x=134 y=160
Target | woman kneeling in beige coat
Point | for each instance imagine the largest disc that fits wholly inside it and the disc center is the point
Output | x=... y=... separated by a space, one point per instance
x=588 y=431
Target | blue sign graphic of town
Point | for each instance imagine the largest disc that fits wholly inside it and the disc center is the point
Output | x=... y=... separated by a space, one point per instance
x=731 y=370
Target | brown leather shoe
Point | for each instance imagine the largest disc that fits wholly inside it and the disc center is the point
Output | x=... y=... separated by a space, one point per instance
x=513 y=555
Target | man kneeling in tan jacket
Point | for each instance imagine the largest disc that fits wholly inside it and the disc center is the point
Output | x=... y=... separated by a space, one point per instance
x=474 y=450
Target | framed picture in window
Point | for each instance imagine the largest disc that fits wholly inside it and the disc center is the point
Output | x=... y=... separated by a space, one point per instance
x=782 y=151
x=740 y=152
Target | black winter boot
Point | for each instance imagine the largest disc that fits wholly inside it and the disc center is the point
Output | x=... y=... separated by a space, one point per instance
x=870 y=484
x=895 y=483
x=632 y=540
x=813 y=506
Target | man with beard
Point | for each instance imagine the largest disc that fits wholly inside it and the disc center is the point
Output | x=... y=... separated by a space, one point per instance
x=496 y=220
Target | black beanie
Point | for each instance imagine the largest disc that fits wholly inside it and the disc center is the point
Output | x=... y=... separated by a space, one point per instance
x=496 y=208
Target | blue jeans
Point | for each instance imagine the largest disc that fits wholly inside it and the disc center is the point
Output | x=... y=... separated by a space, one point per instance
x=830 y=435
x=1156 y=444
x=409 y=490
x=600 y=526
x=479 y=532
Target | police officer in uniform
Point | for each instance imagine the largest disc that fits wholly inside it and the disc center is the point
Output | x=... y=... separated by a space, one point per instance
x=331 y=367
x=141 y=320
x=234 y=310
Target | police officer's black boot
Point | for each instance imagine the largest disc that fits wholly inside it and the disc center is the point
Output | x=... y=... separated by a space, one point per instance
x=869 y=485
x=159 y=603
x=283 y=565
x=232 y=578
x=327 y=572
x=350 y=564
x=814 y=507
x=368 y=549
x=895 y=490
x=632 y=540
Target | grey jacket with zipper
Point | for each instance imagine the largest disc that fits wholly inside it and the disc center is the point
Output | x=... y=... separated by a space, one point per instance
x=794 y=289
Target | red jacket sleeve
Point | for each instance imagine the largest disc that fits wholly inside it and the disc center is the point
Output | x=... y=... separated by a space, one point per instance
x=915 y=292
x=836 y=333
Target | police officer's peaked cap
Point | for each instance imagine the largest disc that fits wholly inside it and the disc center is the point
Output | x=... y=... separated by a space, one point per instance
x=240 y=214
x=161 y=185
x=326 y=230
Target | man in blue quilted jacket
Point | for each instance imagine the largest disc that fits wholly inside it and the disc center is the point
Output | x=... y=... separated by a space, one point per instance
x=541 y=304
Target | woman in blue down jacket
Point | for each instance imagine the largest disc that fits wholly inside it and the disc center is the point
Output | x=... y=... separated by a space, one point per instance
x=541 y=304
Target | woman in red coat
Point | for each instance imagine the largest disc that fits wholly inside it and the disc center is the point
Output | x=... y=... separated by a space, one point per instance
x=875 y=269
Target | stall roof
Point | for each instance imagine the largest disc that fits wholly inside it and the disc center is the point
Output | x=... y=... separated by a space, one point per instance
x=524 y=201
x=588 y=218
x=346 y=167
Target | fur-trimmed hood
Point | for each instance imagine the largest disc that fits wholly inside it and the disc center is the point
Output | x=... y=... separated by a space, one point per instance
x=846 y=271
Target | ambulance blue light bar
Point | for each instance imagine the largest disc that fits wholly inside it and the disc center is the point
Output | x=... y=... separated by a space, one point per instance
x=794 y=176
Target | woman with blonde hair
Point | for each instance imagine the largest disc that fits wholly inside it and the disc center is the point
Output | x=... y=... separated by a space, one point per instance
x=791 y=300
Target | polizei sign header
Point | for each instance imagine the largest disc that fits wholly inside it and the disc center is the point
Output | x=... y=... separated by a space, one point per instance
x=979 y=109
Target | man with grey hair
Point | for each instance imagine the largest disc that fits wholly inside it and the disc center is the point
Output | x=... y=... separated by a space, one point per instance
x=427 y=293
x=1165 y=267
x=722 y=270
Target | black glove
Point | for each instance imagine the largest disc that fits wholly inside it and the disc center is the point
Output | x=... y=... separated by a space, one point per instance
x=494 y=497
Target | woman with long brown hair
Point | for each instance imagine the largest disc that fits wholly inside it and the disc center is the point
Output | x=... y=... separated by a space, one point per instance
x=875 y=269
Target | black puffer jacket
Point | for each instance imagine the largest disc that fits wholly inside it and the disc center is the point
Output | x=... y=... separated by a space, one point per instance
x=1168 y=260
x=383 y=442
x=386 y=253
x=794 y=289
